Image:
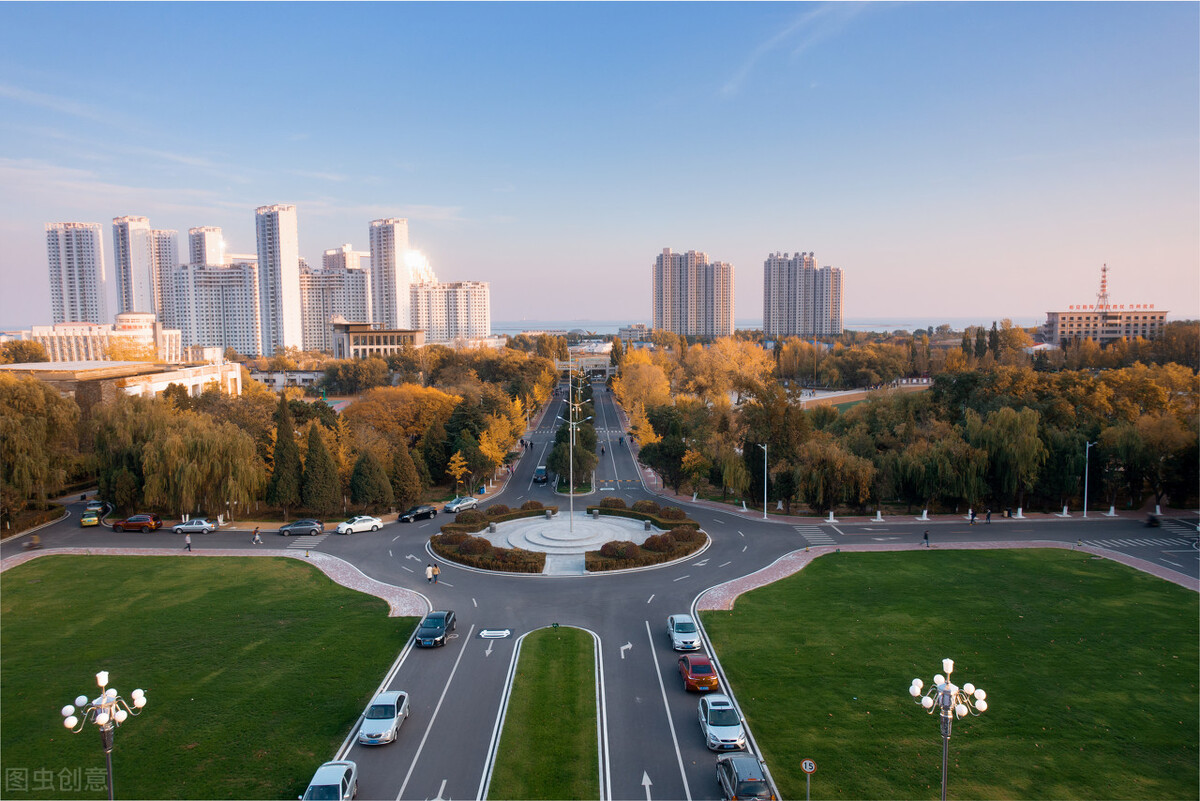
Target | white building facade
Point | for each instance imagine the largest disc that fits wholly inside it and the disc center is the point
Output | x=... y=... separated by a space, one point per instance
x=134 y=264
x=278 y=278
x=692 y=296
x=801 y=298
x=216 y=305
x=453 y=311
x=333 y=292
x=75 y=258
x=206 y=245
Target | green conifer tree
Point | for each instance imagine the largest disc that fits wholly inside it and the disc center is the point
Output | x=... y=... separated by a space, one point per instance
x=284 y=487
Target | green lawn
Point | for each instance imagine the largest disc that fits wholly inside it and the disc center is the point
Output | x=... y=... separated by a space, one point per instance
x=548 y=746
x=254 y=671
x=1090 y=668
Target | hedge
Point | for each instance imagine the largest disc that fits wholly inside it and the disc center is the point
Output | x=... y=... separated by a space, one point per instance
x=475 y=523
x=478 y=552
x=658 y=548
x=664 y=518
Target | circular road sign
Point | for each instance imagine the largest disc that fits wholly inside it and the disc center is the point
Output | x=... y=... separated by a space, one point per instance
x=808 y=766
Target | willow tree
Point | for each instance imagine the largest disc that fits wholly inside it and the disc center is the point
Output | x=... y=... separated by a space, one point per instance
x=1015 y=452
x=199 y=465
x=37 y=435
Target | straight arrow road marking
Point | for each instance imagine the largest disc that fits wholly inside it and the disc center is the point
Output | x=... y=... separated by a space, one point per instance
x=646 y=783
x=441 y=790
x=627 y=646
x=488 y=652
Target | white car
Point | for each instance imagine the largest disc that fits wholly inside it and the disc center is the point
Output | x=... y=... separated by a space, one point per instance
x=460 y=504
x=721 y=724
x=381 y=721
x=197 y=525
x=360 y=523
x=683 y=633
x=333 y=781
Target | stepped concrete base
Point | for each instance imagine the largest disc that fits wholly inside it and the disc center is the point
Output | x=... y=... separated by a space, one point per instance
x=564 y=547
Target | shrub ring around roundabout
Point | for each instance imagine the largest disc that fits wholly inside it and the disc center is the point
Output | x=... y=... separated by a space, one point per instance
x=565 y=542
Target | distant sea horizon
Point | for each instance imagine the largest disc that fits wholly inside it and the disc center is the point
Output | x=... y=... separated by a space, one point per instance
x=610 y=326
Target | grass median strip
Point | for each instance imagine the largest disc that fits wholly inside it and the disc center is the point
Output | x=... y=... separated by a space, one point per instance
x=548 y=746
x=1090 y=669
x=254 y=670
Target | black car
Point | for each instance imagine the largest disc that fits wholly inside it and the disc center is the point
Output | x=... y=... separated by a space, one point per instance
x=310 y=527
x=434 y=628
x=418 y=512
x=742 y=776
x=540 y=476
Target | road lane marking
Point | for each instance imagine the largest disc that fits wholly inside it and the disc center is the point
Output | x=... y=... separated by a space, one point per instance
x=724 y=563
x=646 y=783
x=1169 y=562
x=681 y=578
x=409 y=569
x=395 y=538
x=390 y=554
x=627 y=646
x=474 y=603
x=687 y=791
x=651 y=598
x=429 y=727
x=740 y=534
x=744 y=547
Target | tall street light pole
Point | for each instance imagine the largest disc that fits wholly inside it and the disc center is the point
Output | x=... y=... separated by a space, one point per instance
x=107 y=711
x=764 y=447
x=950 y=702
x=1087 y=453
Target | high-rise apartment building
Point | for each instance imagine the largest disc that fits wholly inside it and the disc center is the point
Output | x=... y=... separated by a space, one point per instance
x=279 y=278
x=394 y=270
x=336 y=291
x=206 y=245
x=691 y=296
x=142 y=254
x=345 y=258
x=801 y=298
x=75 y=257
x=452 y=311
x=216 y=305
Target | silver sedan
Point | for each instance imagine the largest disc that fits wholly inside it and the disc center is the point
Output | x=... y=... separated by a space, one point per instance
x=381 y=721
x=197 y=525
x=360 y=523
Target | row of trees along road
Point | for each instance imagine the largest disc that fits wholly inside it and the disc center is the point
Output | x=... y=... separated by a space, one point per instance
x=1001 y=437
x=219 y=454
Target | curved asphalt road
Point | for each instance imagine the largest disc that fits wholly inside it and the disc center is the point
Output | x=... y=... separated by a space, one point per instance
x=650 y=742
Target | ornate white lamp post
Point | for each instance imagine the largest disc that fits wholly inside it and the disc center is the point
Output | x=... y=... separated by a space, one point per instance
x=107 y=711
x=950 y=701
x=764 y=447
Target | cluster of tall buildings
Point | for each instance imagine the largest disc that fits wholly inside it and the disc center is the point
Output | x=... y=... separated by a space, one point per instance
x=260 y=303
x=692 y=296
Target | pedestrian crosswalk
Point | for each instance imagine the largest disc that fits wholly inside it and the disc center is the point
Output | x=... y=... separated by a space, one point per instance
x=1141 y=542
x=814 y=535
x=306 y=543
x=1178 y=527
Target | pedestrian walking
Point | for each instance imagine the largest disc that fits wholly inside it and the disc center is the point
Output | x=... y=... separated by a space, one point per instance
x=972 y=517
x=988 y=519
x=926 y=538
x=187 y=541
x=429 y=573
x=257 y=540
x=437 y=571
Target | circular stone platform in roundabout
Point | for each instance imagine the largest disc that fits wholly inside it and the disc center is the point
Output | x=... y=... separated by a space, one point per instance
x=563 y=543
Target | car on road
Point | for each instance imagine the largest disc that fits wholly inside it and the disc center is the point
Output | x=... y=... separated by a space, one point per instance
x=460 y=504
x=742 y=776
x=197 y=525
x=683 y=633
x=142 y=523
x=89 y=519
x=435 y=629
x=721 y=724
x=96 y=506
x=417 y=512
x=306 y=526
x=333 y=781
x=381 y=721
x=360 y=523
x=540 y=476
x=697 y=672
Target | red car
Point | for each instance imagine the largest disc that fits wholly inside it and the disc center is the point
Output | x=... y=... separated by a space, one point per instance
x=697 y=672
x=143 y=523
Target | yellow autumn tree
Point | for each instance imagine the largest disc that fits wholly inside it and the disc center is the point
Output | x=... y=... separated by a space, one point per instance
x=641 y=382
x=457 y=467
x=640 y=428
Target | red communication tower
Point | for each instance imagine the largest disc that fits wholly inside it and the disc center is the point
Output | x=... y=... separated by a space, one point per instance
x=1102 y=297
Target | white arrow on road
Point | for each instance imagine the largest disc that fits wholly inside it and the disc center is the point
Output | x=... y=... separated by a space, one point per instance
x=410 y=556
x=488 y=652
x=625 y=648
x=441 y=790
x=646 y=783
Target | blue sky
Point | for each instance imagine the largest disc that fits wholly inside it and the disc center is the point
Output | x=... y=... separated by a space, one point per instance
x=954 y=159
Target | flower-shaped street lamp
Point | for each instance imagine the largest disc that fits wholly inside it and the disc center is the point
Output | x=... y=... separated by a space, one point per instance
x=951 y=701
x=107 y=711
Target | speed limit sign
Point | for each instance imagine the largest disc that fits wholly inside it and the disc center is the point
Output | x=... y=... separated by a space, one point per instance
x=808 y=766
